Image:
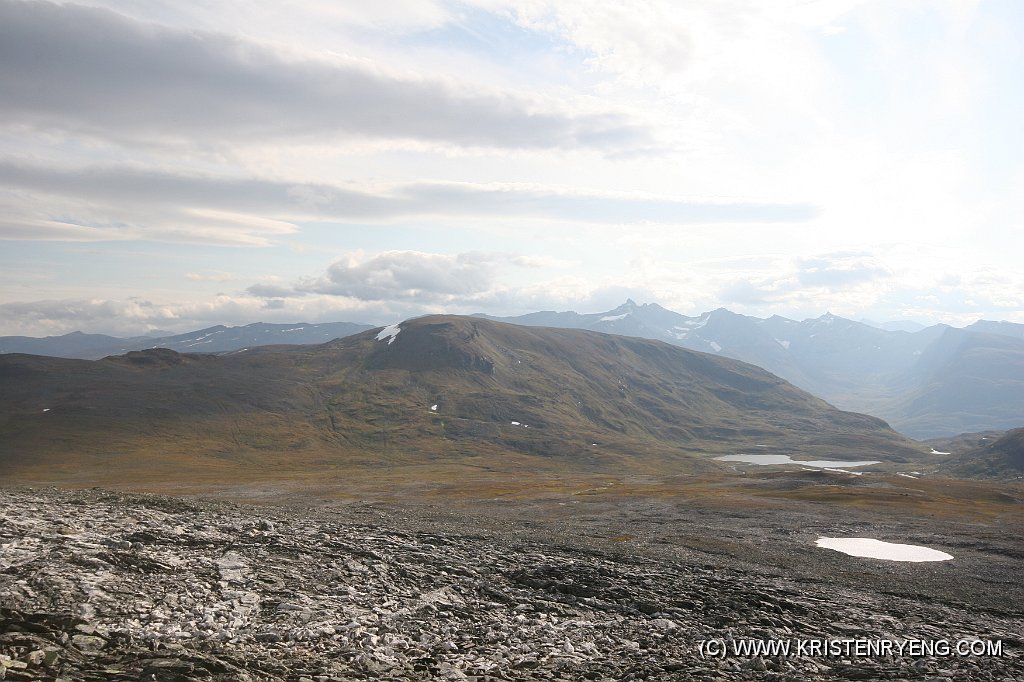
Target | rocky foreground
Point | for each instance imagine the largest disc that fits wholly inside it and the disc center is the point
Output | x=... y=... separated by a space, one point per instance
x=97 y=585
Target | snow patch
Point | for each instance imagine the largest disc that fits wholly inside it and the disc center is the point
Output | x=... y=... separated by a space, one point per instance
x=612 y=318
x=937 y=452
x=843 y=471
x=876 y=549
x=784 y=344
x=46 y=409
x=716 y=346
x=390 y=333
x=433 y=408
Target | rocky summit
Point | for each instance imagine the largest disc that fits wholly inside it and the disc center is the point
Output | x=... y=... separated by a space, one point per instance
x=97 y=585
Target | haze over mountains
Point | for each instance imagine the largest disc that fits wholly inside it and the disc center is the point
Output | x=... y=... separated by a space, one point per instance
x=938 y=381
x=216 y=339
x=460 y=392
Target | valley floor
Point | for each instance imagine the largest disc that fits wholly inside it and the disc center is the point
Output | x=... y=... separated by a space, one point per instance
x=102 y=585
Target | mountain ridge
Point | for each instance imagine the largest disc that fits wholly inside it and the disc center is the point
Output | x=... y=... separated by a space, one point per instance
x=444 y=390
x=898 y=375
x=216 y=339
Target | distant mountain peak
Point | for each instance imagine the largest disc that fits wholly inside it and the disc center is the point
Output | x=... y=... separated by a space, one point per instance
x=627 y=308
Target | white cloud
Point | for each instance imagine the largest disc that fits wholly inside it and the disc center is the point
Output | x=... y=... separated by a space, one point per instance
x=426 y=278
x=132 y=317
x=95 y=72
x=649 y=149
x=124 y=202
x=215 y=276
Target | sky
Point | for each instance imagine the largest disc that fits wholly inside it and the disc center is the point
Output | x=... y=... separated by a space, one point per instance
x=171 y=165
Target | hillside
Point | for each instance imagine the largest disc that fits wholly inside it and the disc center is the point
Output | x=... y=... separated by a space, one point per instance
x=1001 y=458
x=451 y=393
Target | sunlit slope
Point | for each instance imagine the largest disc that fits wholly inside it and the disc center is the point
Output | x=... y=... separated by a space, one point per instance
x=584 y=402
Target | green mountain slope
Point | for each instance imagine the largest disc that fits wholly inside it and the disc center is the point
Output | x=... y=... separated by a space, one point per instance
x=508 y=398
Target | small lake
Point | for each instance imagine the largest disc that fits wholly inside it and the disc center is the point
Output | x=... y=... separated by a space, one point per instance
x=786 y=459
x=877 y=549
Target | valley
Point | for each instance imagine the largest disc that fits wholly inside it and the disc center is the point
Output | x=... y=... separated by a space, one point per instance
x=507 y=341
x=446 y=398
x=462 y=499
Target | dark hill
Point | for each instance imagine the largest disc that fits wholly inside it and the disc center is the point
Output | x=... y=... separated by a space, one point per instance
x=1001 y=458
x=508 y=399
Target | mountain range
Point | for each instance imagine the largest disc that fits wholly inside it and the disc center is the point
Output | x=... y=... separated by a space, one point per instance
x=443 y=392
x=218 y=339
x=934 y=382
x=938 y=381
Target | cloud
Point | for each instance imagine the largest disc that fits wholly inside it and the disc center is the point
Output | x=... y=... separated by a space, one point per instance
x=839 y=270
x=394 y=285
x=840 y=281
x=599 y=207
x=422 y=283
x=123 y=202
x=748 y=293
x=214 y=276
x=60 y=316
x=89 y=70
x=29 y=228
x=135 y=316
x=408 y=275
